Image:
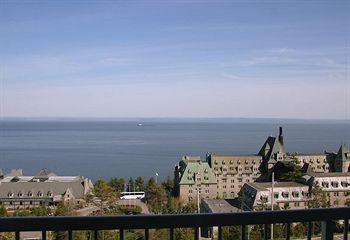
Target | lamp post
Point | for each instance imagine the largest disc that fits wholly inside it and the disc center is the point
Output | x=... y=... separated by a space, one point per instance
x=272 y=200
x=157 y=177
x=198 y=206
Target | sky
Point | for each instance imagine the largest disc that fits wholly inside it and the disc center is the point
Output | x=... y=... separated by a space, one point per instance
x=251 y=59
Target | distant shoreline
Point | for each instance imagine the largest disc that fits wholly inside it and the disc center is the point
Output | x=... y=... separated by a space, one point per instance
x=174 y=119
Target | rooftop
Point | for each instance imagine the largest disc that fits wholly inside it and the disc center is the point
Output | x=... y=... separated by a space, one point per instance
x=266 y=185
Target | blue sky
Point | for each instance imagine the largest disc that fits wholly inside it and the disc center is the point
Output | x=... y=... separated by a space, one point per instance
x=284 y=59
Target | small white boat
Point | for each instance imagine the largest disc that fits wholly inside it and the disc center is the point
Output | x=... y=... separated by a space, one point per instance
x=139 y=124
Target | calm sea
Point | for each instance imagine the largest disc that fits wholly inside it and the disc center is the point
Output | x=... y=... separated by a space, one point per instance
x=102 y=149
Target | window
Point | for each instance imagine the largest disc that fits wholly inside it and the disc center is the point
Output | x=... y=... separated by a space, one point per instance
x=295 y=194
x=10 y=194
x=335 y=184
x=296 y=204
x=263 y=198
x=325 y=184
x=232 y=180
x=30 y=194
x=275 y=195
x=40 y=194
x=285 y=194
x=344 y=184
x=20 y=194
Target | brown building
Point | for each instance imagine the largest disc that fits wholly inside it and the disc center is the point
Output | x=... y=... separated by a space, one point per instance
x=316 y=162
x=340 y=161
x=194 y=179
x=232 y=172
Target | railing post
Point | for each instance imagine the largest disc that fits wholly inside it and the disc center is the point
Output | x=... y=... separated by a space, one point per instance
x=327 y=230
x=309 y=230
x=287 y=231
x=95 y=235
x=121 y=234
x=146 y=234
x=219 y=233
x=346 y=229
x=171 y=234
x=196 y=233
x=266 y=231
x=17 y=235
x=243 y=232
x=43 y=235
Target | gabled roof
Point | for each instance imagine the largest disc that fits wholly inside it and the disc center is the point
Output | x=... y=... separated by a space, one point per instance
x=271 y=146
x=189 y=169
x=343 y=153
x=44 y=173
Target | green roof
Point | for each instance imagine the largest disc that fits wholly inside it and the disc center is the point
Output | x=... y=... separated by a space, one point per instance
x=343 y=153
x=190 y=168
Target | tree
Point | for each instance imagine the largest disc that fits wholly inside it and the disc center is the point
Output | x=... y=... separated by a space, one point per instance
x=3 y=211
x=63 y=209
x=155 y=196
x=347 y=203
x=190 y=207
x=174 y=205
x=104 y=192
x=140 y=184
x=40 y=211
x=131 y=185
x=118 y=184
x=318 y=198
x=293 y=170
x=169 y=187
x=231 y=233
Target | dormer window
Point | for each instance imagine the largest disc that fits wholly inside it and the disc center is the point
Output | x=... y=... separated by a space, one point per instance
x=49 y=194
x=285 y=194
x=40 y=194
x=215 y=162
x=223 y=162
x=231 y=161
x=344 y=184
x=10 y=194
x=20 y=194
x=263 y=198
x=295 y=194
x=305 y=193
x=30 y=194
x=325 y=184
x=335 y=184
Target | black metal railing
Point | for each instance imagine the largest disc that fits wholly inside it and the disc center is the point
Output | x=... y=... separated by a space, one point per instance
x=196 y=221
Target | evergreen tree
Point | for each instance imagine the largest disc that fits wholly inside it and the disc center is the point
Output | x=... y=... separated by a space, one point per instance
x=139 y=184
x=118 y=184
x=318 y=198
x=3 y=211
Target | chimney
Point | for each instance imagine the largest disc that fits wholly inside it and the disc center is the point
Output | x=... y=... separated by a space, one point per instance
x=280 y=136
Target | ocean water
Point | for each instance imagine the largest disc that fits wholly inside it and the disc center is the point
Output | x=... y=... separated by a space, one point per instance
x=121 y=148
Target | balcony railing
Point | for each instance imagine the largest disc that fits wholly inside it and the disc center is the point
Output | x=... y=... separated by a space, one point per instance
x=196 y=221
